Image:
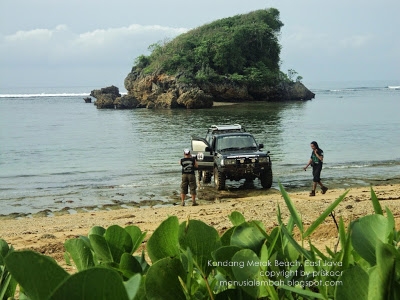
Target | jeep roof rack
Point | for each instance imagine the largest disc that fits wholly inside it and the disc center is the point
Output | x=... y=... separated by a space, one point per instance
x=226 y=128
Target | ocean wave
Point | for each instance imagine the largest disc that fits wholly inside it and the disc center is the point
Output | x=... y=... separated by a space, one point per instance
x=363 y=88
x=37 y=95
x=346 y=165
x=363 y=164
x=43 y=95
x=18 y=176
x=349 y=166
x=354 y=89
x=359 y=88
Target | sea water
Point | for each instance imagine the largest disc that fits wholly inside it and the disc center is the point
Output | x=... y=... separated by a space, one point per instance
x=59 y=153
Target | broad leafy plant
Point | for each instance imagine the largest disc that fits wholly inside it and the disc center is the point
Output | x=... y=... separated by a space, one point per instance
x=7 y=282
x=112 y=247
x=191 y=260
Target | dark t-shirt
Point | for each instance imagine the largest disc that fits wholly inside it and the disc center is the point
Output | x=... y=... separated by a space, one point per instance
x=187 y=164
x=315 y=159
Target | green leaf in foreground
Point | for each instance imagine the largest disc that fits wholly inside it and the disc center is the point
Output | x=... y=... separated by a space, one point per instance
x=162 y=280
x=137 y=236
x=129 y=265
x=92 y=284
x=365 y=234
x=322 y=217
x=345 y=242
x=7 y=282
x=164 y=240
x=101 y=248
x=246 y=270
x=293 y=211
x=97 y=230
x=355 y=284
x=119 y=241
x=307 y=293
x=4 y=250
x=296 y=245
x=80 y=253
x=133 y=285
x=38 y=275
x=383 y=275
x=236 y=218
x=225 y=254
x=202 y=240
x=248 y=235
x=375 y=203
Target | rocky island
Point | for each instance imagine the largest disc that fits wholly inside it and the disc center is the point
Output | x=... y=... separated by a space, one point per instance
x=235 y=59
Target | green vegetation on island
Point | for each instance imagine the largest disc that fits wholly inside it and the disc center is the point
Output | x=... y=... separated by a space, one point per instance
x=244 y=49
x=235 y=59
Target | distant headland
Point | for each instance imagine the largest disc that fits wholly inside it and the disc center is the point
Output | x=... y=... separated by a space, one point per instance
x=234 y=59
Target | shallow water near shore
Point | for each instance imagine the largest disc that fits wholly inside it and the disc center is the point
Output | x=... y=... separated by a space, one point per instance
x=60 y=154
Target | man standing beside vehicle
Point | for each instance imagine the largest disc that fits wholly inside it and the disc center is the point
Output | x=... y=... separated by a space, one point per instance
x=316 y=160
x=189 y=164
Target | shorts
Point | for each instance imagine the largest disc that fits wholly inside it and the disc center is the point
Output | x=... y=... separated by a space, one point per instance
x=188 y=180
x=316 y=172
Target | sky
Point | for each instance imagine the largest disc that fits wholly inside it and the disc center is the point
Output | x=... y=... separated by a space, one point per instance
x=57 y=43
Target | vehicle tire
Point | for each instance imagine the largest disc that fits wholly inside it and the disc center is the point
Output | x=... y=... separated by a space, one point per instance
x=200 y=176
x=219 y=179
x=266 y=178
x=206 y=177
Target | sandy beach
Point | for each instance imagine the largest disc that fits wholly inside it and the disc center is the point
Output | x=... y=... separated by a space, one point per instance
x=48 y=234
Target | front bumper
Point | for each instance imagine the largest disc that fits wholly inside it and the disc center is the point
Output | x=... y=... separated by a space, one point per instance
x=239 y=170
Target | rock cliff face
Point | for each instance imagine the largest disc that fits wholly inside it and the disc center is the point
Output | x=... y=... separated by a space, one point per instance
x=163 y=91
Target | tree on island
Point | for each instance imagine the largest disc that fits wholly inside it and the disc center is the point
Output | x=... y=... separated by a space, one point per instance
x=244 y=49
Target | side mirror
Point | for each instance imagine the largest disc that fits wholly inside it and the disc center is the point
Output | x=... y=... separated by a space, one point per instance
x=208 y=149
x=260 y=146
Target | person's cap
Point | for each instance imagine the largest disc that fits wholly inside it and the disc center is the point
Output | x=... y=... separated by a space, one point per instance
x=186 y=151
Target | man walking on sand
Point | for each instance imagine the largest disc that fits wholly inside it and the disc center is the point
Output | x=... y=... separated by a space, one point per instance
x=316 y=159
x=189 y=164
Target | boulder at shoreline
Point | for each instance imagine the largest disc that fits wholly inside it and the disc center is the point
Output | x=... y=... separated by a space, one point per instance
x=162 y=91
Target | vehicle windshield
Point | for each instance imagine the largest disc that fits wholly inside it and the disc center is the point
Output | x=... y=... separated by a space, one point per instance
x=236 y=142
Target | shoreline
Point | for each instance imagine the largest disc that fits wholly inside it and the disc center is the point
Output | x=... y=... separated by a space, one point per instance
x=48 y=234
x=206 y=195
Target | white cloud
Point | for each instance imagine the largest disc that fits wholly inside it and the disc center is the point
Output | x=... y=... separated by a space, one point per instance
x=34 y=35
x=356 y=41
x=319 y=40
x=61 y=56
x=124 y=36
x=60 y=45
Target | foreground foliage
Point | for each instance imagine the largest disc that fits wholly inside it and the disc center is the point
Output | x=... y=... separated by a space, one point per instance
x=190 y=260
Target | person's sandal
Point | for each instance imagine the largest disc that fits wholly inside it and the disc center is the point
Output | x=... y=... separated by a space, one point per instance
x=182 y=203
x=312 y=193
x=195 y=204
x=324 y=189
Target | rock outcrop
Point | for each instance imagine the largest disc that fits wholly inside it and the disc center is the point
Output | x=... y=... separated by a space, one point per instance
x=109 y=97
x=163 y=91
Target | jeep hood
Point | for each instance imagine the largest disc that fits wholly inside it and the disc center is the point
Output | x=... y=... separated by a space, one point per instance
x=241 y=153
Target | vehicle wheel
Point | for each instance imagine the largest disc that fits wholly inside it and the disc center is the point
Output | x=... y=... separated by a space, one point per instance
x=206 y=177
x=266 y=178
x=200 y=175
x=219 y=179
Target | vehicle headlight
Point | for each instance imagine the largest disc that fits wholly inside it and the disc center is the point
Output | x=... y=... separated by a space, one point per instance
x=263 y=159
x=228 y=161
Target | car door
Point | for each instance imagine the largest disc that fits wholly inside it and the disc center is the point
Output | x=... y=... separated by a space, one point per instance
x=202 y=149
